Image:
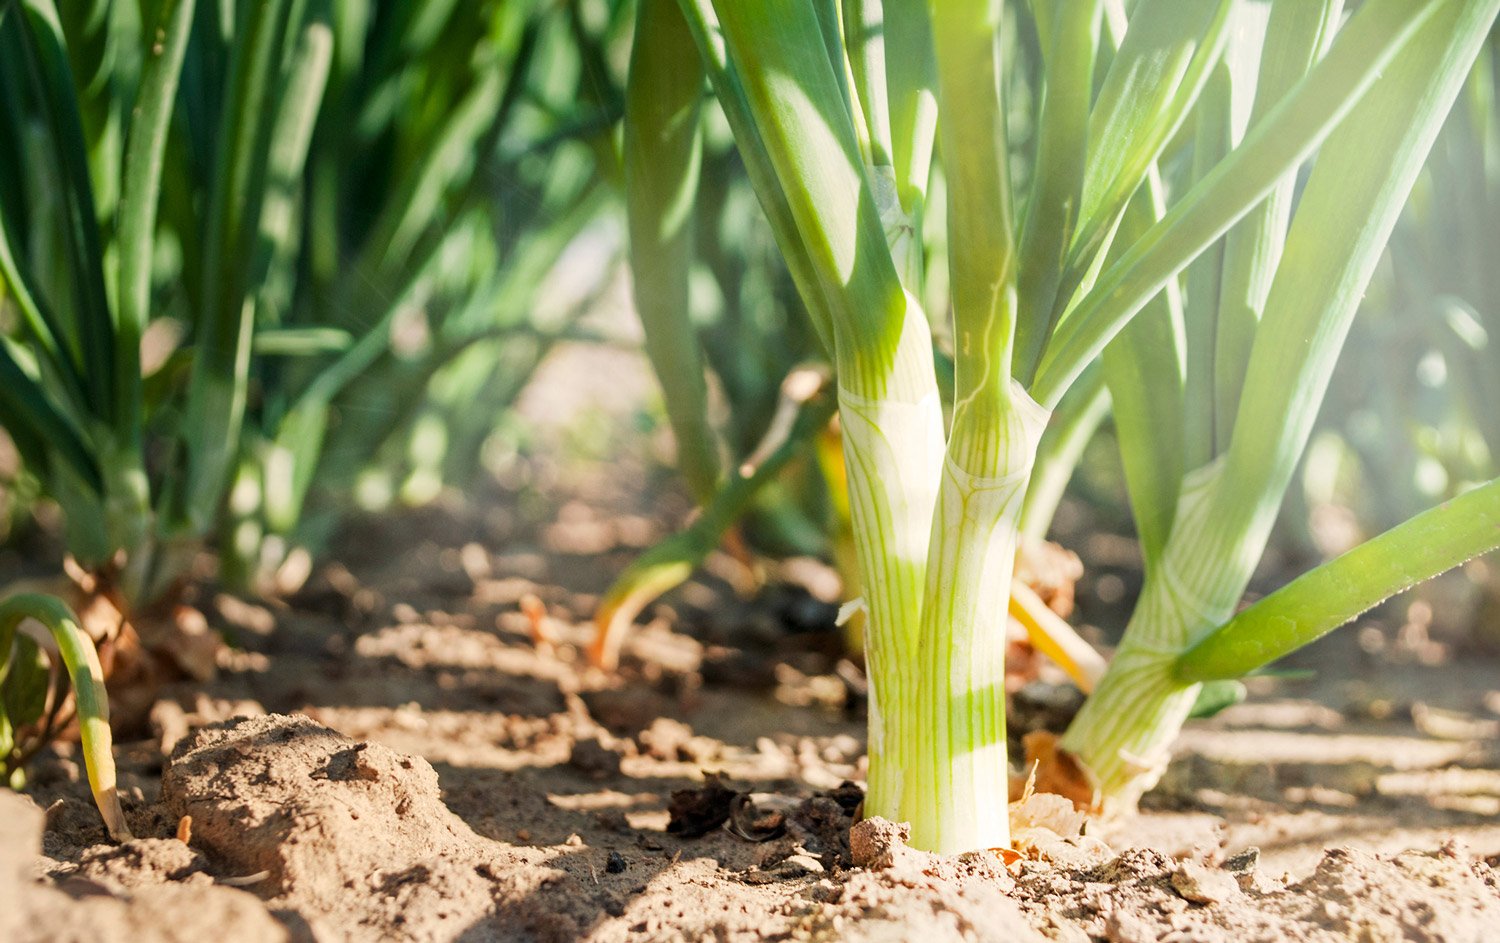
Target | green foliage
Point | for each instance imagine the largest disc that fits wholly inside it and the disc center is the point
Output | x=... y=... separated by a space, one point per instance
x=1331 y=595
x=330 y=221
x=1409 y=410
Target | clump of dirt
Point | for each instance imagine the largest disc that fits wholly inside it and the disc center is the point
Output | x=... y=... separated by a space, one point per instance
x=120 y=895
x=305 y=806
x=898 y=892
x=322 y=824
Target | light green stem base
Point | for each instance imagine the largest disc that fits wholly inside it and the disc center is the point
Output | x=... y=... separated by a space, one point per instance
x=944 y=770
x=1124 y=734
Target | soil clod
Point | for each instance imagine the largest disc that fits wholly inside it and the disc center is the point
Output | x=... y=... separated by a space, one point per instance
x=1201 y=884
x=696 y=812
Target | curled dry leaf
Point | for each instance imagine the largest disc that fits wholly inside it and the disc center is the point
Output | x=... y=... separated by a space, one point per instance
x=1045 y=826
x=694 y=813
x=1055 y=770
x=536 y=616
x=1045 y=811
x=752 y=823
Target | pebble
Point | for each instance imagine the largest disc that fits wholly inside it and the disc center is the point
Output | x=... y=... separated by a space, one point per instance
x=1204 y=885
x=798 y=865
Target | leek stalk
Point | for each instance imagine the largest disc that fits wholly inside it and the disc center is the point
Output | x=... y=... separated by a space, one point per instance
x=1211 y=407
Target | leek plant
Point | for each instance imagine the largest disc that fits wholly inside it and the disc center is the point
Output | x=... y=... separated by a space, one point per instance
x=461 y=150
x=692 y=221
x=691 y=236
x=1160 y=226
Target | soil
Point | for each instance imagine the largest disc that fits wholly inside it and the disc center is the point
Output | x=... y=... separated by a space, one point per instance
x=392 y=755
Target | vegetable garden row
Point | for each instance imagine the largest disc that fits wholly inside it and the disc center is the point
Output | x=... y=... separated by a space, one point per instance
x=901 y=268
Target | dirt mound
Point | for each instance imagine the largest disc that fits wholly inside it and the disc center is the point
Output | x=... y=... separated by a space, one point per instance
x=89 y=910
x=325 y=825
x=304 y=804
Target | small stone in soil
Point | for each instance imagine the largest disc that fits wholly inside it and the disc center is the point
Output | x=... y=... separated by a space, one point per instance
x=798 y=865
x=874 y=842
x=594 y=759
x=1244 y=862
x=1204 y=885
x=615 y=863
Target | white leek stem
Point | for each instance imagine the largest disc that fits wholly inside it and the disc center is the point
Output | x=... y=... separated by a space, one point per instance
x=959 y=778
x=892 y=450
x=1125 y=731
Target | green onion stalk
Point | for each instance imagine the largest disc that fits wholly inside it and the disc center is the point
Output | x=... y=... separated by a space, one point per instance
x=1287 y=288
x=686 y=199
x=853 y=192
x=1218 y=311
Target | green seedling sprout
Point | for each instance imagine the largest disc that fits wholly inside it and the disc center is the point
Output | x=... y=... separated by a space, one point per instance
x=22 y=701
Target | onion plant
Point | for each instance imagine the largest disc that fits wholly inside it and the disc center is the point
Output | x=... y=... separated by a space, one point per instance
x=327 y=222
x=691 y=237
x=1149 y=222
x=459 y=152
x=692 y=223
x=250 y=251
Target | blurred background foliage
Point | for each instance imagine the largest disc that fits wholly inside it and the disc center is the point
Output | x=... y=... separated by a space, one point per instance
x=362 y=211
